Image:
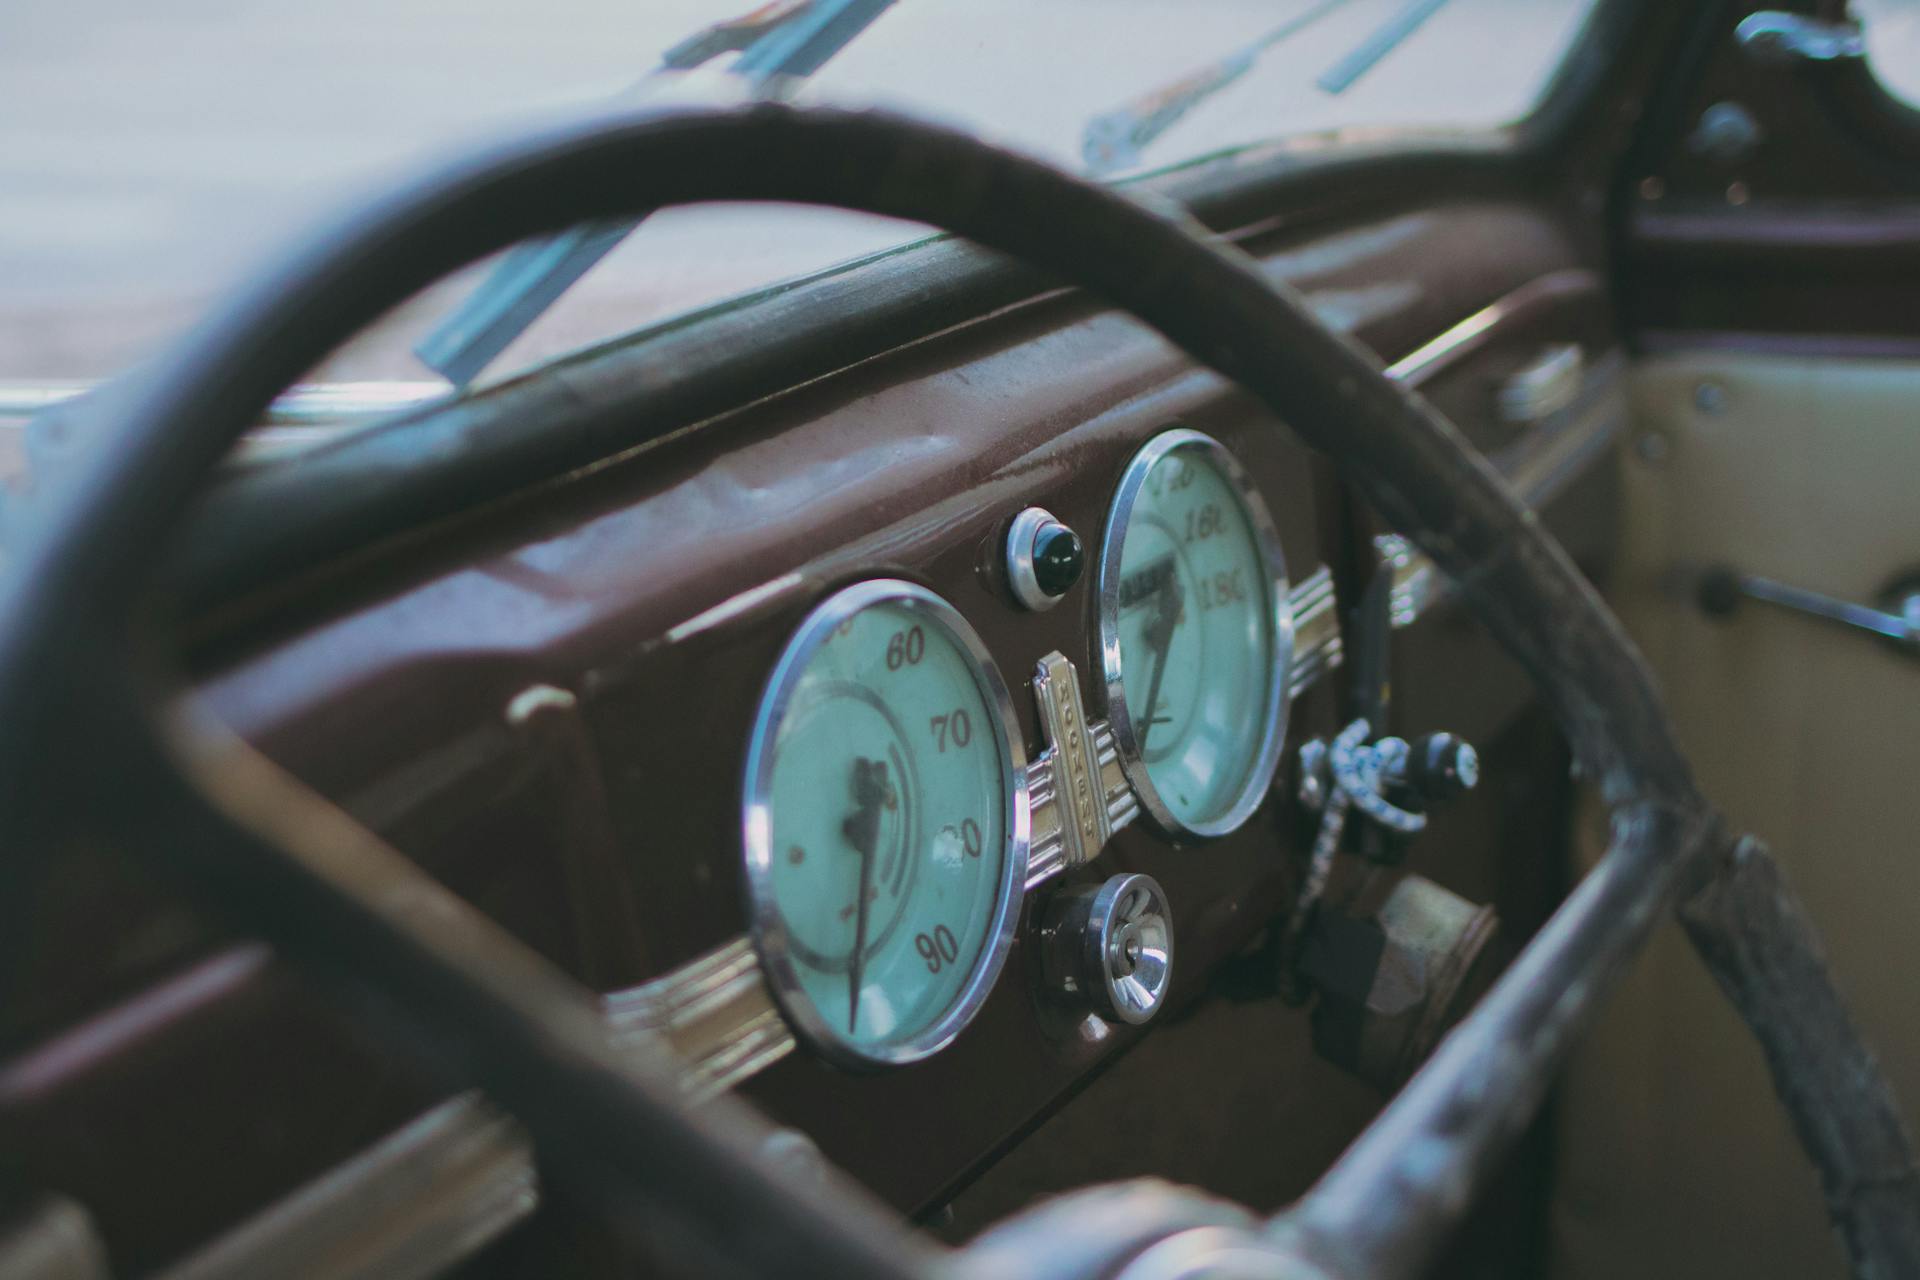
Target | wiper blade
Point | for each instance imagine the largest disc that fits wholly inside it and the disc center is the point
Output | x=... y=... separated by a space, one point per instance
x=777 y=43
x=1367 y=54
x=1116 y=139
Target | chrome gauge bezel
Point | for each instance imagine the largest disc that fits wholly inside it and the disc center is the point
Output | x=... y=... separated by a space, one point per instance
x=1274 y=714
x=766 y=927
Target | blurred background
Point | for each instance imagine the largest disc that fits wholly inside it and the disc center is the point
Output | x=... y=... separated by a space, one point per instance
x=152 y=153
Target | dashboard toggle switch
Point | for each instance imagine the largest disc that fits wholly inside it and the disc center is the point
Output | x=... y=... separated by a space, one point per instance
x=1433 y=769
x=1111 y=945
x=1044 y=559
x=1371 y=794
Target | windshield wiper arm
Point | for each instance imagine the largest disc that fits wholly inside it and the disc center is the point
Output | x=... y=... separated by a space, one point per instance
x=777 y=43
x=1367 y=54
x=1115 y=139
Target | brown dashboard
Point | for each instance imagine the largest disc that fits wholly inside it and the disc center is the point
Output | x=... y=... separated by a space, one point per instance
x=548 y=704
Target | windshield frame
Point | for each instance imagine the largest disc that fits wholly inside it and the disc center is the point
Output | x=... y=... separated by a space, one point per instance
x=620 y=396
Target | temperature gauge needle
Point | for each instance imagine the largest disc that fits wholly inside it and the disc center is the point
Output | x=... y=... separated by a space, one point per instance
x=862 y=830
x=1159 y=638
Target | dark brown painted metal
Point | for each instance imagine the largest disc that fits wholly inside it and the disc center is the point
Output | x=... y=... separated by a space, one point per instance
x=1815 y=234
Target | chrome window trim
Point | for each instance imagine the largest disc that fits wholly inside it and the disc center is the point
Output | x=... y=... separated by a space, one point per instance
x=767 y=929
x=715 y=1014
x=1266 y=762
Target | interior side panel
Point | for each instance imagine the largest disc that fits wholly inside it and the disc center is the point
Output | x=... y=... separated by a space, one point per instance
x=1800 y=468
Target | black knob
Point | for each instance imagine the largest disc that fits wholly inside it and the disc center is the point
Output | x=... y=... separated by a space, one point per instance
x=1718 y=592
x=1044 y=558
x=1441 y=766
x=1057 y=559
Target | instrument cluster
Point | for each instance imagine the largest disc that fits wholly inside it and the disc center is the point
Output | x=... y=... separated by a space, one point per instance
x=893 y=825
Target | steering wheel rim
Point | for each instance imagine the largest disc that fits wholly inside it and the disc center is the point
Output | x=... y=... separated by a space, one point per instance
x=81 y=707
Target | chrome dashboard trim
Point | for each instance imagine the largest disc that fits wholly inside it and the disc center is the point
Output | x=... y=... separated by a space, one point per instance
x=412 y=1205
x=1458 y=341
x=51 y=1237
x=1078 y=799
x=1105 y=801
x=1260 y=775
x=1539 y=465
x=1316 y=631
x=716 y=1014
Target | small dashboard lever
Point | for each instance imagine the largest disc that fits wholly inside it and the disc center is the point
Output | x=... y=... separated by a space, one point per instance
x=1722 y=589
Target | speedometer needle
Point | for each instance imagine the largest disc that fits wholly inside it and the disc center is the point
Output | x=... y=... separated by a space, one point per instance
x=862 y=830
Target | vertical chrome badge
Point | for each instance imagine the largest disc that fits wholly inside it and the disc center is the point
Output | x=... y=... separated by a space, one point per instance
x=1079 y=795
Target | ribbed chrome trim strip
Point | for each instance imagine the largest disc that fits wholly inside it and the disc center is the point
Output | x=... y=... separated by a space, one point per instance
x=1316 y=630
x=52 y=1238
x=716 y=1015
x=409 y=1207
x=1538 y=465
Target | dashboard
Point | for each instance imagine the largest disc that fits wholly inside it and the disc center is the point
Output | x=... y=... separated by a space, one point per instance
x=812 y=735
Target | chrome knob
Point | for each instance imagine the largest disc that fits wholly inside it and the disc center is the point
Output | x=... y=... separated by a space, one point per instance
x=1111 y=945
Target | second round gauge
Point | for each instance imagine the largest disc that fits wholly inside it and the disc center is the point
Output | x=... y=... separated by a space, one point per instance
x=1196 y=634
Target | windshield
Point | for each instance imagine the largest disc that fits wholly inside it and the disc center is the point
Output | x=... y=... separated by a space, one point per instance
x=151 y=153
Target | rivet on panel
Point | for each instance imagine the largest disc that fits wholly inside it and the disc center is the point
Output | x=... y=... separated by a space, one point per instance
x=1652 y=447
x=1710 y=398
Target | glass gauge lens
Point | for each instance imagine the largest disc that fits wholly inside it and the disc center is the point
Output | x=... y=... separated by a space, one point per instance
x=886 y=824
x=1196 y=634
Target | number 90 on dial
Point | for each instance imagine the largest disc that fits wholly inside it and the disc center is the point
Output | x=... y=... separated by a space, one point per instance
x=885 y=825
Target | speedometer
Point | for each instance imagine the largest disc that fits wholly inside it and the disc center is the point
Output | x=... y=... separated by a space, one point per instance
x=886 y=825
x=1196 y=634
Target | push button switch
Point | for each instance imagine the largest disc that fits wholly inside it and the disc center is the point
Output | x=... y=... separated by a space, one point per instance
x=1044 y=559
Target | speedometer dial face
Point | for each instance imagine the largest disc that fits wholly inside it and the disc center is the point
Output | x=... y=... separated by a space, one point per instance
x=1196 y=635
x=886 y=825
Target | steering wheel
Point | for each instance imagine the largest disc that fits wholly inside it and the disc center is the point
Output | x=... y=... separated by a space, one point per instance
x=91 y=747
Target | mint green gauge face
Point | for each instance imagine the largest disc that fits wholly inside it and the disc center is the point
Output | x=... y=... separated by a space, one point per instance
x=1196 y=635
x=885 y=825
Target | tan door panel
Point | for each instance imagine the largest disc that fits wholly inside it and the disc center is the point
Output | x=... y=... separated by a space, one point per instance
x=1676 y=1161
